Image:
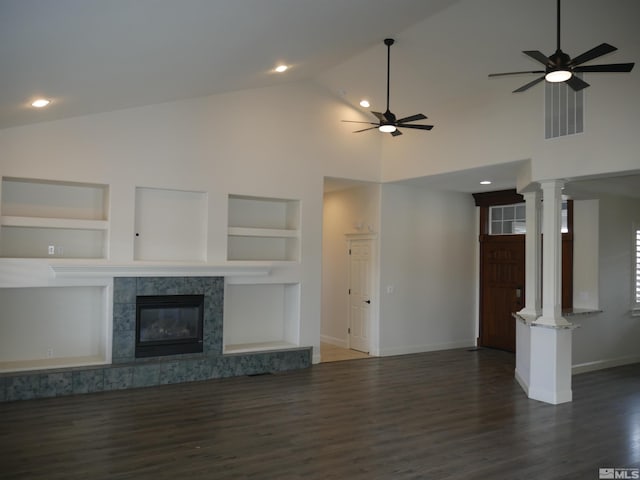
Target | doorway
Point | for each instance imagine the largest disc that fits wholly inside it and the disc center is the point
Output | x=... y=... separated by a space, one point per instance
x=502 y=265
x=349 y=327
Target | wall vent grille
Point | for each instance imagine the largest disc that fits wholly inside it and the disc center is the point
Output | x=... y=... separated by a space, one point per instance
x=563 y=110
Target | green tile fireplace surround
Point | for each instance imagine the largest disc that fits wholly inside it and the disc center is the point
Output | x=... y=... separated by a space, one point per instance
x=126 y=371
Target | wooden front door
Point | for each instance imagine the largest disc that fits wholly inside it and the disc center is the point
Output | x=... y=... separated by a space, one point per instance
x=502 y=289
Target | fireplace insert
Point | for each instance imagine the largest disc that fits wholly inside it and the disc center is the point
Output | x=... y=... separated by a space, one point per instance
x=169 y=325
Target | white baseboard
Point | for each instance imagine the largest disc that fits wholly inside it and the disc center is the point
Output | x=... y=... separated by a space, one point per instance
x=552 y=397
x=338 y=342
x=602 y=364
x=388 y=352
x=521 y=381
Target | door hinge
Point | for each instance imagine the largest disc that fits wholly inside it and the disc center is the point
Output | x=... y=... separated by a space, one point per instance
x=349 y=291
x=348 y=330
x=349 y=251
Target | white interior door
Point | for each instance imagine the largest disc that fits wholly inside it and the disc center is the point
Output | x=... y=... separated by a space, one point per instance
x=359 y=294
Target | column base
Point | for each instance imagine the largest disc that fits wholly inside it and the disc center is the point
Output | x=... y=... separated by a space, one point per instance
x=550 y=368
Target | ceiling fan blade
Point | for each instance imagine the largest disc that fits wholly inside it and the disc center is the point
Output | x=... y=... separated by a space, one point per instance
x=611 y=67
x=412 y=118
x=514 y=73
x=576 y=83
x=529 y=85
x=595 y=52
x=365 y=129
x=379 y=116
x=536 y=55
x=396 y=132
x=418 y=127
x=355 y=121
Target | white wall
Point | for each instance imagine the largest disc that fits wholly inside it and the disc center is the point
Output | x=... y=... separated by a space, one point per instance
x=354 y=210
x=427 y=241
x=586 y=225
x=611 y=337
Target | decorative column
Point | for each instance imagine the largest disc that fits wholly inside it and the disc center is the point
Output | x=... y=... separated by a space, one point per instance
x=550 y=373
x=533 y=250
x=552 y=259
x=532 y=308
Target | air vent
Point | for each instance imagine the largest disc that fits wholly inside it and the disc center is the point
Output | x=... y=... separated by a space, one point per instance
x=563 y=110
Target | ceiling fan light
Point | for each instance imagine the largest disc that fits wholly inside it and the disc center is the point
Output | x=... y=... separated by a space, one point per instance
x=556 y=76
x=40 y=103
x=387 y=128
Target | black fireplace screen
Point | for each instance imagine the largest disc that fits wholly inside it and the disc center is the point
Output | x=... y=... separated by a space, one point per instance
x=169 y=324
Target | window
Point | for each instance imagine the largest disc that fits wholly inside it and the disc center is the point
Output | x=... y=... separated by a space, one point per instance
x=511 y=219
x=507 y=219
x=635 y=308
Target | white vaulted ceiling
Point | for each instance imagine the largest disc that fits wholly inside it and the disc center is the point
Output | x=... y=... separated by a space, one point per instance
x=92 y=56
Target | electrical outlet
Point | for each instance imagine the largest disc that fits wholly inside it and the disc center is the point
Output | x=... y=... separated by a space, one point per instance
x=52 y=249
x=49 y=352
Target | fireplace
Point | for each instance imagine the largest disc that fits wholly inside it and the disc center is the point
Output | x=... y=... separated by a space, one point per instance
x=168 y=325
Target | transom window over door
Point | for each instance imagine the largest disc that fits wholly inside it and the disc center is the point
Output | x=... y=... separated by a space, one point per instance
x=507 y=219
x=511 y=219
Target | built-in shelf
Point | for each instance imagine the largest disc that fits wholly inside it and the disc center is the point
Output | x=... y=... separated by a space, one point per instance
x=263 y=229
x=258 y=347
x=51 y=363
x=43 y=222
x=50 y=218
x=54 y=327
x=261 y=317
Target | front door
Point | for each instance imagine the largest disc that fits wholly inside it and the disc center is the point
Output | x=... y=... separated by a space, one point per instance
x=359 y=294
x=502 y=289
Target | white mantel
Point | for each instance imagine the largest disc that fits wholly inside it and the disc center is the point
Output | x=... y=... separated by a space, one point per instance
x=45 y=272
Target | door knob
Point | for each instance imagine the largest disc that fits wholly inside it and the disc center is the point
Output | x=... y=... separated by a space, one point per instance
x=367 y=301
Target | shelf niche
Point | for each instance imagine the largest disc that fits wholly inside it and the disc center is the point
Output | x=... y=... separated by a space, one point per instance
x=53 y=327
x=36 y=215
x=263 y=229
x=261 y=317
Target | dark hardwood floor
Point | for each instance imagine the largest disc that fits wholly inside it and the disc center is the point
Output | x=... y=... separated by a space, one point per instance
x=444 y=415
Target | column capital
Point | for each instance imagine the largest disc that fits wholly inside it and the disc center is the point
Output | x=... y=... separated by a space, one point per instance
x=550 y=184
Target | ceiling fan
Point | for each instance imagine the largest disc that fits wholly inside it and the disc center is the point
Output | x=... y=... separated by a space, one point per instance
x=560 y=67
x=387 y=121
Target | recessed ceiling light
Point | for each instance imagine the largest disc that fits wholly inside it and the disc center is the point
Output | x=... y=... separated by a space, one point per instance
x=485 y=182
x=281 y=68
x=40 y=102
x=365 y=103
